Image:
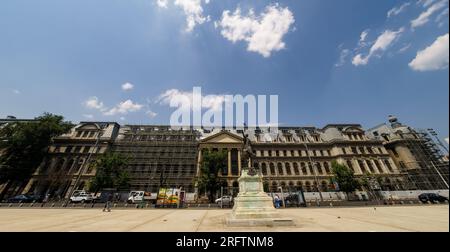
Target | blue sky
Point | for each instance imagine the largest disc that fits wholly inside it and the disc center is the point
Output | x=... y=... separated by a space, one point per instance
x=56 y=56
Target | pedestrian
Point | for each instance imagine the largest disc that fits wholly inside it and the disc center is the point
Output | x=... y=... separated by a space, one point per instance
x=277 y=201
x=108 y=203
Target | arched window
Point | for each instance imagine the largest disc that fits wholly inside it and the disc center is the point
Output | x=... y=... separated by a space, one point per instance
x=296 y=170
x=299 y=185
x=319 y=168
x=303 y=166
x=324 y=186
x=388 y=165
x=308 y=186
x=264 y=168
x=350 y=165
x=272 y=169
x=327 y=168
x=288 y=168
x=369 y=164
x=280 y=169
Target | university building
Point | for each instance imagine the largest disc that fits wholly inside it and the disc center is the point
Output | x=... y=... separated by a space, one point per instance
x=293 y=158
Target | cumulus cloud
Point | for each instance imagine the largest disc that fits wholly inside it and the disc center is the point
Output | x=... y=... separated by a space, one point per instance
x=185 y=100
x=127 y=86
x=94 y=103
x=162 y=3
x=434 y=57
x=151 y=114
x=16 y=91
x=264 y=33
x=381 y=44
x=424 y=17
x=123 y=108
x=397 y=10
x=447 y=140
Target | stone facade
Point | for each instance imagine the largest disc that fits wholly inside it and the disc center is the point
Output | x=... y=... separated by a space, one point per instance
x=293 y=157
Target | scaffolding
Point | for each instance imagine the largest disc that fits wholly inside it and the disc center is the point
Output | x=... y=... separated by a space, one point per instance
x=159 y=156
x=429 y=170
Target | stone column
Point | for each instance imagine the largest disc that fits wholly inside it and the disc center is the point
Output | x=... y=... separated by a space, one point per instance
x=229 y=163
x=199 y=161
x=239 y=163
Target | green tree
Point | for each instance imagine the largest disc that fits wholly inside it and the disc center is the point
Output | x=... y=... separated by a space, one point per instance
x=345 y=177
x=110 y=172
x=23 y=146
x=213 y=162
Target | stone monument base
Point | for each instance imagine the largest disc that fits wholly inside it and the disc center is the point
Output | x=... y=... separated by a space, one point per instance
x=253 y=207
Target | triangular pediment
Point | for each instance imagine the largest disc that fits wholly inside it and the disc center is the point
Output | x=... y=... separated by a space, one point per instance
x=223 y=137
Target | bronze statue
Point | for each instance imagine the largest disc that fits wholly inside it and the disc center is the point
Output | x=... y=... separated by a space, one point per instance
x=247 y=154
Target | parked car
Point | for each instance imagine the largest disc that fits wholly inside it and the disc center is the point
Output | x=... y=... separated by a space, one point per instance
x=432 y=197
x=81 y=197
x=22 y=199
x=225 y=200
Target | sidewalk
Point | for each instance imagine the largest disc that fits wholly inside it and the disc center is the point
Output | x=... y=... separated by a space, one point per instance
x=365 y=219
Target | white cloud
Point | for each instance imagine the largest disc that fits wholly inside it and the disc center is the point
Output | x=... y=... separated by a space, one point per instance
x=360 y=60
x=124 y=107
x=363 y=36
x=162 y=3
x=434 y=57
x=404 y=48
x=194 y=12
x=264 y=33
x=342 y=58
x=397 y=10
x=88 y=116
x=16 y=91
x=185 y=100
x=424 y=17
x=127 y=86
x=381 y=44
x=122 y=118
x=151 y=114
x=447 y=140
x=94 y=103
x=425 y=3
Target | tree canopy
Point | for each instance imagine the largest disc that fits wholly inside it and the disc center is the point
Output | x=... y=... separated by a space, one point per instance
x=213 y=162
x=110 y=172
x=23 y=145
x=345 y=177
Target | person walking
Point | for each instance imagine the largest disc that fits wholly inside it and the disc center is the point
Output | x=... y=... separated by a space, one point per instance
x=108 y=203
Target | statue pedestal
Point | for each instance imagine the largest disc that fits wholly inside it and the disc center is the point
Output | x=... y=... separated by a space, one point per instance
x=253 y=207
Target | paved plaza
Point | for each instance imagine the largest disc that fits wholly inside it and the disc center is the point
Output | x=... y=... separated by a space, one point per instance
x=365 y=219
